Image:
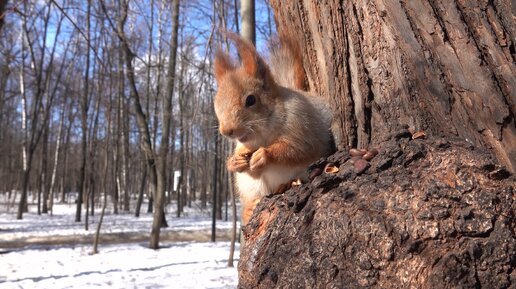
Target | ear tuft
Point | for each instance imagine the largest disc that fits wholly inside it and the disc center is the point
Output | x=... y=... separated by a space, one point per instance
x=223 y=65
x=252 y=63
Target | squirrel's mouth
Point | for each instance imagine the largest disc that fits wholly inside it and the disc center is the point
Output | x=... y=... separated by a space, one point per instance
x=243 y=138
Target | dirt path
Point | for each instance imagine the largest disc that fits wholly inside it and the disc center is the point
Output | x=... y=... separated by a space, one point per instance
x=113 y=238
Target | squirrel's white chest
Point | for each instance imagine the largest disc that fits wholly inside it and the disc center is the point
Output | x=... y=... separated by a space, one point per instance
x=272 y=177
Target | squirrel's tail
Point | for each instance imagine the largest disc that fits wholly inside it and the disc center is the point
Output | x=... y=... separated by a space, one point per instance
x=286 y=63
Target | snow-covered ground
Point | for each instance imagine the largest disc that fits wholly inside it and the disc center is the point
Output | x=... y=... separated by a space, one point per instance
x=121 y=265
x=179 y=265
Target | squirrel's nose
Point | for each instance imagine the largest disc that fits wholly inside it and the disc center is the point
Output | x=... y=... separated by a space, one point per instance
x=226 y=131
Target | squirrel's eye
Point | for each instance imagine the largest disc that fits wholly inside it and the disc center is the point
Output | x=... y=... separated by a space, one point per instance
x=250 y=100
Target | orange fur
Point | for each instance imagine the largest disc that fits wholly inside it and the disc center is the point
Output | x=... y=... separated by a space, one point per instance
x=289 y=70
x=250 y=60
x=222 y=65
x=248 y=208
x=286 y=50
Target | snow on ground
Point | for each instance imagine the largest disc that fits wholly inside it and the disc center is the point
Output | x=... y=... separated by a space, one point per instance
x=176 y=265
x=179 y=265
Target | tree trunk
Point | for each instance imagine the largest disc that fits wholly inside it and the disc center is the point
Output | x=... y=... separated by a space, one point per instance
x=24 y=149
x=106 y=183
x=247 y=12
x=141 y=191
x=214 y=190
x=205 y=177
x=440 y=66
x=64 y=174
x=3 y=3
x=159 y=220
x=45 y=182
x=125 y=154
x=84 y=105
x=56 y=156
x=432 y=85
x=233 y=196
x=92 y=154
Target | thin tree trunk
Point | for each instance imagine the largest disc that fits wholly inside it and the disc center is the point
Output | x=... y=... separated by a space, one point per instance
x=25 y=166
x=233 y=221
x=106 y=183
x=45 y=186
x=39 y=182
x=102 y=212
x=84 y=121
x=118 y=155
x=247 y=11
x=148 y=100
x=231 y=182
x=115 y=195
x=141 y=191
x=214 y=191
x=159 y=215
x=64 y=176
x=92 y=149
x=56 y=155
x=181 y=188
x=124 y=153
x=205 y=177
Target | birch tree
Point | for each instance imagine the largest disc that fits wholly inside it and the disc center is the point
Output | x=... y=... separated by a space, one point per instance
x=36 y=117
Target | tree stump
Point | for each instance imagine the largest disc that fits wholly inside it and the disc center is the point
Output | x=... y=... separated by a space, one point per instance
x=426 y=213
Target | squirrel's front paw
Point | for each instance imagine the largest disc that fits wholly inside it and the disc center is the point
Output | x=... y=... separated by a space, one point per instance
x=238 y=163
x=258 y=160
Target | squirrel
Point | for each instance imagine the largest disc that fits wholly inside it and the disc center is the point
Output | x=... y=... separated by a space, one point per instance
x=279 y=129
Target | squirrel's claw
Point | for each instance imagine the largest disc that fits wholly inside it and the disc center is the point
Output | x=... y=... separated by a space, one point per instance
x=258 y=160
x=238 y=163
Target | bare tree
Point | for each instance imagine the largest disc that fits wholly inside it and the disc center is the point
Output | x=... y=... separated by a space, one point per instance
x=166 y=119
x=84 y=104
x=107 y=144
x=57 y=153
x=41 y=102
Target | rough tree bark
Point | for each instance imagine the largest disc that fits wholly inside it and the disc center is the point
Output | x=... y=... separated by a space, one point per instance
x=434 y=212
x=431 y=213
x=441 y=66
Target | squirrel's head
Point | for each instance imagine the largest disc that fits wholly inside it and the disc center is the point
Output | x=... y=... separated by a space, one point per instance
x=245 y=102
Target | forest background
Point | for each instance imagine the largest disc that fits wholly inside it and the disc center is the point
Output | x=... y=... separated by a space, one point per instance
x=113 y=100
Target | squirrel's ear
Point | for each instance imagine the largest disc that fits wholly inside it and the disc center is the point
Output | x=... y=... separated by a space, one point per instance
x=252 y=63
x=222 y=65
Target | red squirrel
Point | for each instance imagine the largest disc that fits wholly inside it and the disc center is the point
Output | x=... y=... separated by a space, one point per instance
x=279 y=129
